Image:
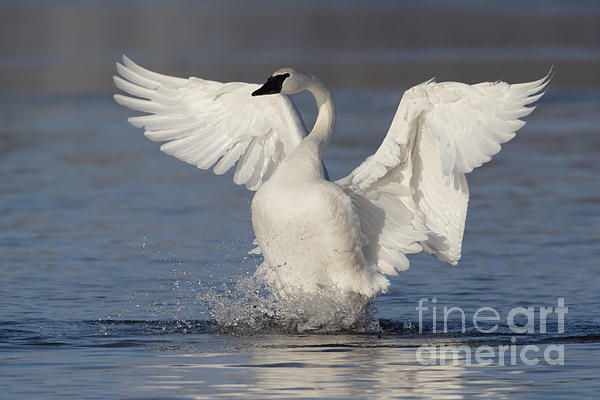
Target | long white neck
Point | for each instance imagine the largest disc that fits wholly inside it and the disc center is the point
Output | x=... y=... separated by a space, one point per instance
x=322 y=132
x=306 y=159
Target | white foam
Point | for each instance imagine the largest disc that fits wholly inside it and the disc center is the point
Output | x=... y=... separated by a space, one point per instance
x=250 y=308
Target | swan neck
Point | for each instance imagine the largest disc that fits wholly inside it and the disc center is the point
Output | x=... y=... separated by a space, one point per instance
x=324 y=125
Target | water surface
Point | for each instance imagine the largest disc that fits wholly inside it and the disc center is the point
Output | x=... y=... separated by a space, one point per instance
x=113 y=255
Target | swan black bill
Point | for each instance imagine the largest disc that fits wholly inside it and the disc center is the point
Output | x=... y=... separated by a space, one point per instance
x=271 y=86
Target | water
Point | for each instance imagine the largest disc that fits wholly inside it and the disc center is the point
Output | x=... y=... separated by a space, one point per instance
x=113 y=255
x=109 y=248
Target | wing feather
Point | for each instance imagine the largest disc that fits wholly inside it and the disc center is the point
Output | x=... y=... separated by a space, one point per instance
x=161 y=122
x=155 y=76
x=207 y=123
x=416 y=179
x=231 y=157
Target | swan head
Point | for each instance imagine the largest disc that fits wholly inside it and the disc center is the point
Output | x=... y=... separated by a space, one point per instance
x=284 y=81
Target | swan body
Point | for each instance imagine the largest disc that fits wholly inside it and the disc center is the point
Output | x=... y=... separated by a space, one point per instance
x=318 y=236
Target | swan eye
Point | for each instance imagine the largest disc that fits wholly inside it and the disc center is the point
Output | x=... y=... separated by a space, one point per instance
x=272 y=85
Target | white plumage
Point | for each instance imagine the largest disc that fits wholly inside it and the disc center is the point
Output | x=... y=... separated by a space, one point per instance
x=206 y=123
x=344 y=236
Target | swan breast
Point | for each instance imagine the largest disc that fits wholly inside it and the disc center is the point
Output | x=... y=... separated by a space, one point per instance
x=309 y=235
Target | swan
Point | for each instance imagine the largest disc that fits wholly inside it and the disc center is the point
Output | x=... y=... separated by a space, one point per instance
x=343 y=236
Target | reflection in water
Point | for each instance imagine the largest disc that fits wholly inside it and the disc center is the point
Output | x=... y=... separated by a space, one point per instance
x=312 y=366
x=342 y=366
x=160 y=360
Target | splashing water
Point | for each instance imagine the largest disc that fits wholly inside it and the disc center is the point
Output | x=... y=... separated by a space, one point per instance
x=250 y=307
x=247 y=305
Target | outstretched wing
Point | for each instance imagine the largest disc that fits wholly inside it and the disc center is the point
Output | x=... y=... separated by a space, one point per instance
x=207 y=123
x=416 y=179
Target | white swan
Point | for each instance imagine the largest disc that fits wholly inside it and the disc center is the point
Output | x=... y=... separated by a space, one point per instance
x=347 y=235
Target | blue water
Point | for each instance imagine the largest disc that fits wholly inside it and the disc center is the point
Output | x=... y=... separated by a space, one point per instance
x=124 y=273
x=109 y=247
